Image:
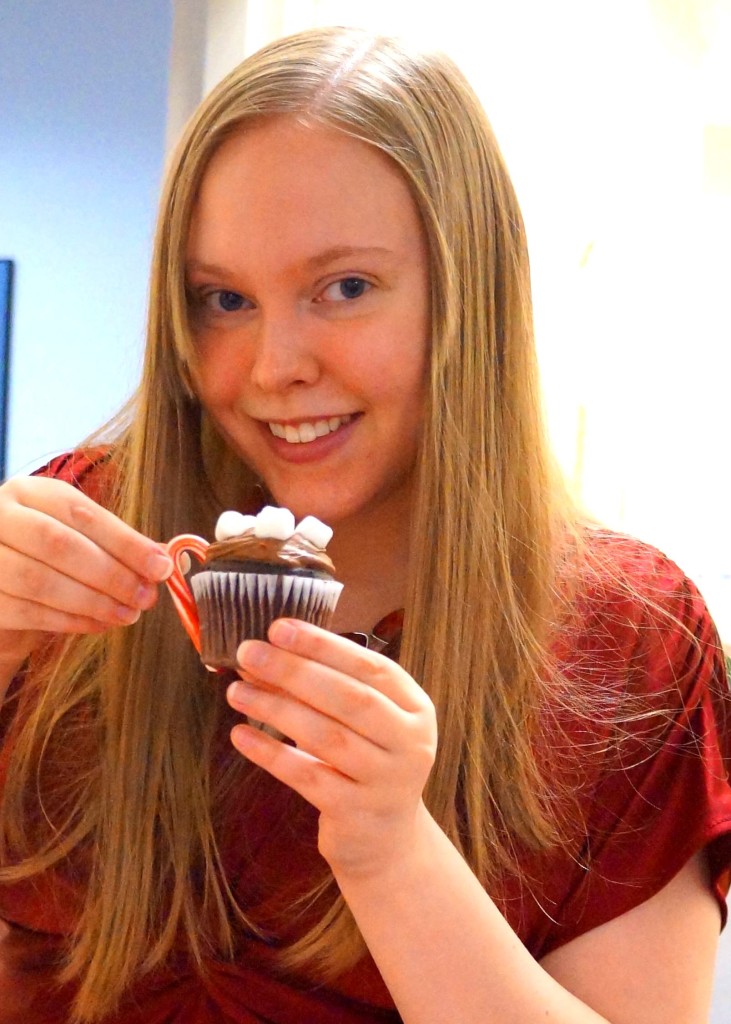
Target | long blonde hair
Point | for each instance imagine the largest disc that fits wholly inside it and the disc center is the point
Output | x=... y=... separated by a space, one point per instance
x=487 y=521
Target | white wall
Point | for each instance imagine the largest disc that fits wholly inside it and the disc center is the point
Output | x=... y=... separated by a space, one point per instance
x=83 y=102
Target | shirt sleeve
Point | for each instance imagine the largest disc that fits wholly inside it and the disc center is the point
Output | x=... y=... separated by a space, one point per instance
x=86 y=469
x=663 y=792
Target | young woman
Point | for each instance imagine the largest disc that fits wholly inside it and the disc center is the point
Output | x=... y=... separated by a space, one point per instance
x=519 y=809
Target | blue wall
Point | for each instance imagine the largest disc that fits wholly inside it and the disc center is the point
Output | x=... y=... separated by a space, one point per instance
x=83 y=98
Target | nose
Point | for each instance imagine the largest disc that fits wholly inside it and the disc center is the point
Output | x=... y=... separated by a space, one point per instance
x=284 y=355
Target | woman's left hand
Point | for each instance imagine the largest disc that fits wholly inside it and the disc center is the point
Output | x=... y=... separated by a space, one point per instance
x=364 y=737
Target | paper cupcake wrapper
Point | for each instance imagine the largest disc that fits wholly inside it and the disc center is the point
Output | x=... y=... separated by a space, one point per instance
x=236 y=606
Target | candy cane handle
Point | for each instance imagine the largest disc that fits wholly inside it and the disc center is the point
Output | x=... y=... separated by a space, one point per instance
x=178 y=585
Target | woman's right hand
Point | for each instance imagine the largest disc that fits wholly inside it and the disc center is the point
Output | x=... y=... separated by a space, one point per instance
x=67 y=565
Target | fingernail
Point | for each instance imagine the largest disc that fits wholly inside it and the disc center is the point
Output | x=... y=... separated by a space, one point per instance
x=282 y=632
x=239 y=691
x=244 y=739
x=249 y=653
x=159 y=566
x=127 y=615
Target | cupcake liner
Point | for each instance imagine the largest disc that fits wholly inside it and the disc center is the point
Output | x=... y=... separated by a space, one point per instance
x=236 y=606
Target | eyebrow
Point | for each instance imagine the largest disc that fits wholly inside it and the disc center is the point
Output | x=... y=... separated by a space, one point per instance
x=321 y=259
x=337 y=252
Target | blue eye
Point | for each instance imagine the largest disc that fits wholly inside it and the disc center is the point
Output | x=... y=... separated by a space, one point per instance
x=225 y=302
x=352 y=287
x=346 y=288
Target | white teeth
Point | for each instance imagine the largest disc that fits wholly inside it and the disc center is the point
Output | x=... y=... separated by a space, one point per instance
x=306 y=432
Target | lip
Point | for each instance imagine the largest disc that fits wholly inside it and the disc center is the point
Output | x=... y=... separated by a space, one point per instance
x=311 y=451
x=297 y=421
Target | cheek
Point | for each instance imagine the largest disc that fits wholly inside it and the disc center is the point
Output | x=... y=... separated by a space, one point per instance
x=395 y=357
x=220 y=374
x=413 y=348
x=405 y=374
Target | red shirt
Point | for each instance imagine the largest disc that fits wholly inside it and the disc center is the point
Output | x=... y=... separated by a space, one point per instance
x=646 y=803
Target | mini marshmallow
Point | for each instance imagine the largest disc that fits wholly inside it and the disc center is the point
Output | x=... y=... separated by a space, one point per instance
x=314 y=531
x=233 y=524
x=277 y=523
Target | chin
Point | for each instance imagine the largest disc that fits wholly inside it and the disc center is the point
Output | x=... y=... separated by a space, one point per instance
x=330 y=510
x=323 y=511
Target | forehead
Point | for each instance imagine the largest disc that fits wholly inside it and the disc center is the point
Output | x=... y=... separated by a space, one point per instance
x=287 y=184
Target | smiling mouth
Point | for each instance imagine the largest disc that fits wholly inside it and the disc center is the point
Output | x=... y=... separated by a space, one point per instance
x=304 y=433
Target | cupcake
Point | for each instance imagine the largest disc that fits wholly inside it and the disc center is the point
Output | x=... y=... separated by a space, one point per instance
x=259 y=569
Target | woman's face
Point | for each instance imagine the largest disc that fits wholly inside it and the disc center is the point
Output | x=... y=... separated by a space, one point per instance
x=307 y=271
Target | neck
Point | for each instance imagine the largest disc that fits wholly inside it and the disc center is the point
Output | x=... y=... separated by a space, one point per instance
x=371 y=557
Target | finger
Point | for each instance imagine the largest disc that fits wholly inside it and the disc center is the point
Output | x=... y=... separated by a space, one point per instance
x=328 y=649
x=30 y=589
x=332 y=742
x=53 y=504
x=48 y=552
x=26 y=615
x=345 y=700
x=318 y=783
x=49 y=540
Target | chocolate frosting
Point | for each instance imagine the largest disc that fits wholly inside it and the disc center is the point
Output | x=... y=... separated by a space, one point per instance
x=287 y=555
